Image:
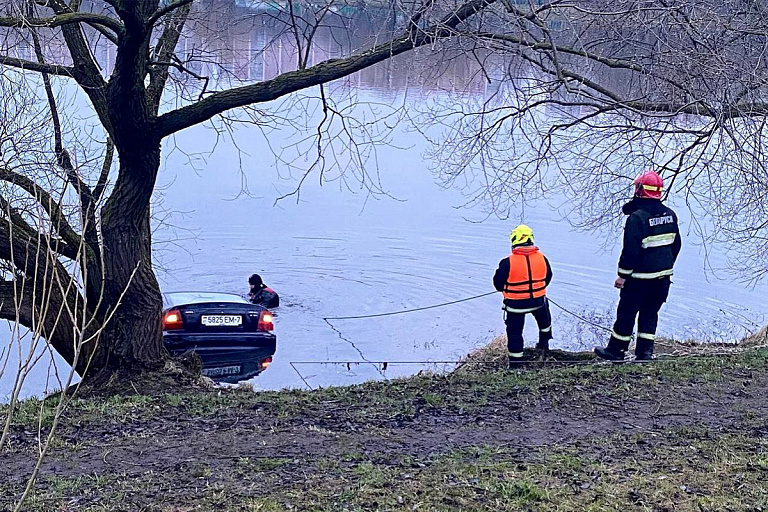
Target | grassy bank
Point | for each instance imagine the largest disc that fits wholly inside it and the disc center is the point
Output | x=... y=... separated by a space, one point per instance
x=680 y=434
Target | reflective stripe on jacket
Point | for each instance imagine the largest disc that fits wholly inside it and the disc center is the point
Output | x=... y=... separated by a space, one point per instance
x=651 y=240
x=527 y=278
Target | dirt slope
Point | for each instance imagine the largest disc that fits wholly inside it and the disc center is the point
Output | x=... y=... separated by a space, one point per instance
x=336 y=448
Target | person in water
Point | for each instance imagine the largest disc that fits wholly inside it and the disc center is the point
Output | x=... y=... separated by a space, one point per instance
x=262 y=294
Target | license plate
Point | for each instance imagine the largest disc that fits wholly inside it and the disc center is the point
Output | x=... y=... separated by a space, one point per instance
x=222 y=320
x=222 y=371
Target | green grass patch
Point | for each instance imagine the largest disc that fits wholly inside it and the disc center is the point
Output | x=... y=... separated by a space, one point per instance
x=681 y=471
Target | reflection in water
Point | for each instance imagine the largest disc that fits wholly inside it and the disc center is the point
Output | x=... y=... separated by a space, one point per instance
x=235 y=365
x=227 y=43
x=254 y=41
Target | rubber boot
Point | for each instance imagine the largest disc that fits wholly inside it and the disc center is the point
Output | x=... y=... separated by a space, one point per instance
x=644 y=349
x=515 y=360
x=541 y=351
x=614 y=351
x=543 y=344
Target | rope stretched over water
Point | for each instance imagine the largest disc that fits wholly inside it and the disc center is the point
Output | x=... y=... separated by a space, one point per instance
x=384 y=364
x=532 y=362
x=381 y=366
x=586 y=320
x=326 y=318
x=355 y=317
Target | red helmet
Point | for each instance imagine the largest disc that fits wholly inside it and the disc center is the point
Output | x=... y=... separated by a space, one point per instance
x=649 y=184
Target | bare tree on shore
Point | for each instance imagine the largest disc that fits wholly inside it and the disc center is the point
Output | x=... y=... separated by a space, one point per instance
x=127 y=104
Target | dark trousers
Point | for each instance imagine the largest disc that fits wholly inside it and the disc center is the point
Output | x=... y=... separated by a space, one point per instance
x=641 y=299
x=516 y=321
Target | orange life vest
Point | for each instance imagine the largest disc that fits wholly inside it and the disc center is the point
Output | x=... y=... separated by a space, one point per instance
x=527 y=274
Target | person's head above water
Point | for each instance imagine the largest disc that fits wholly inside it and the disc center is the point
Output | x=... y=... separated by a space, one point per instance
x=255 y=280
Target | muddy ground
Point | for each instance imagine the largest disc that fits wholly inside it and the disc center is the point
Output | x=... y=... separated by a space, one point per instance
x=532 y=439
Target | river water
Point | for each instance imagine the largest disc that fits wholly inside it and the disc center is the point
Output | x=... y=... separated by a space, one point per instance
x=337 y=252
x=339 y=249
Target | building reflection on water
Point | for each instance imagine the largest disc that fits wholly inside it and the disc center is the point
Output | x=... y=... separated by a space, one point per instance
x=254 y=41
x=244 y=41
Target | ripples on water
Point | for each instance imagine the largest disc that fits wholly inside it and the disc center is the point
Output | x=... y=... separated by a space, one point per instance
x=337 y=253
x=330 y=256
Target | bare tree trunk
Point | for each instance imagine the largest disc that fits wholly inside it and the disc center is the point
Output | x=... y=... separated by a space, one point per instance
x=133 y=336
x=132 y=339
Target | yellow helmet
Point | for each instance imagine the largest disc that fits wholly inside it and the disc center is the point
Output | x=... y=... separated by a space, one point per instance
x=522 y=234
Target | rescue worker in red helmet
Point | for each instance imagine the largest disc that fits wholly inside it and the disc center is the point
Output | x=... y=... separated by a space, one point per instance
x=523 y=278
x=651 y=245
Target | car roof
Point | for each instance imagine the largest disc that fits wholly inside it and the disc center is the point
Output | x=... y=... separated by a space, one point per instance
x=187 y=298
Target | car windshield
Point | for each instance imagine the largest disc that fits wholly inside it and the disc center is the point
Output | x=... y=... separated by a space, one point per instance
x=179 y=298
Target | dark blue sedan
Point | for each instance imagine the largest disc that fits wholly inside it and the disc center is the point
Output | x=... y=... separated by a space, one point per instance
x=233 y=337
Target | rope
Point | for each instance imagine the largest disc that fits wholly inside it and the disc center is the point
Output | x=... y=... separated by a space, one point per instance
x=550 y=362
x=390 y=362
x=384 y=364
x=355 y=317
x=326 y=318
x=660 y=358
x=352 y=343
x=586 y=320
x=596 y=361
x=300 y=375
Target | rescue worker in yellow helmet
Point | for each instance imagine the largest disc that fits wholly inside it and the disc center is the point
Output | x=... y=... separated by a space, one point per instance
x=523 y=277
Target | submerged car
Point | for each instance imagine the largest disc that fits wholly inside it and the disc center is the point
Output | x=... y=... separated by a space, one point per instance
x=233 y=337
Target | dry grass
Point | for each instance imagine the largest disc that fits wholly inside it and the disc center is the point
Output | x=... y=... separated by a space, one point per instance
x=760 y=338
x=495 y=353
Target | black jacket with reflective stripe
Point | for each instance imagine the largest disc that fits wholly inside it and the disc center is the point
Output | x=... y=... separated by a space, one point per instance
x=651 y=240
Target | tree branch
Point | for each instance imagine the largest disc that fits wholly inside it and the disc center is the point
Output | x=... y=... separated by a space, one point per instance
x=698 y=108
x=165 y=10
x=51 y=207
x=326 y=71
x=178 y=64
x=23 y=231
x=28 y=253
x=15 y=218
x=66 y=18
x=538 y=46
x=164 y=51
x=84 y=70
x=62 y=156
x=84 y=192
x=29 y=65
x=101 y=184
